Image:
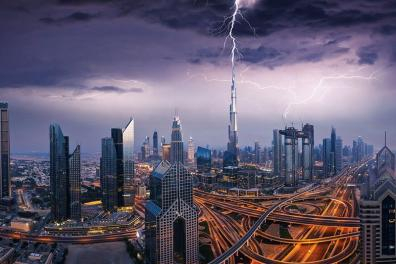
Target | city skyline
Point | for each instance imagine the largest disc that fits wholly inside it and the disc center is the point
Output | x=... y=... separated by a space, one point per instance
x=349 y=47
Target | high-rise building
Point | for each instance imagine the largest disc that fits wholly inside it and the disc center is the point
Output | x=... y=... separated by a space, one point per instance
x=385 y=162
x=171 y=219
x=333 y=139
x=308 y=151
x=231 y=156
x=377 y=208
x=75 y=183
x=257 y=152
x=146 y=149
x=155 y=144
x=166 y=152
x=190 y=151
x=64 y=177
x=116 y=135
x=204 y=160
x=128 y=139
x=291 y=155
x=338 y=155
x=277 y=152
x=108 y=175
x=328 y=158
x=177 y=151
x=5 y=189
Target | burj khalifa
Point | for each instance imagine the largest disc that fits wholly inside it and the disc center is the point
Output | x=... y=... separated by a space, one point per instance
x=231 y=155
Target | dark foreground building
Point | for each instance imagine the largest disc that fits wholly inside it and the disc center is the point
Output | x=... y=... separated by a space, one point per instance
x=171 y=220
x=64 y=177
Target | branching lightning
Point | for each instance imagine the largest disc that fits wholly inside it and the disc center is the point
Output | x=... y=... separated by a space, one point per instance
x=320 y=83
x=229 y=23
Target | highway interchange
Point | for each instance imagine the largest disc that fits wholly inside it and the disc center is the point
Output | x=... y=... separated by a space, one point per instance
x=328 y=232
x=323 y=213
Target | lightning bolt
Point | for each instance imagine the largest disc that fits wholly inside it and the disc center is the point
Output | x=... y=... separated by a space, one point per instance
x=320 y=83
x=233 y=39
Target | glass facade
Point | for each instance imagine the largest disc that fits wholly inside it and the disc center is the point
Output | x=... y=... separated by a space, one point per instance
x=388 y=226
x=75 y=183
x=204 y=159
x=171 y=218
x=177 y=150
x=116 y=135
x=5 y=189
x=108 y=175
x=65 y=172
x=128 y=137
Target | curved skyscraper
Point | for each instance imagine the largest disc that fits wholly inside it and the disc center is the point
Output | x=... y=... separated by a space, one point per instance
x=65 y=172
x=128 y=137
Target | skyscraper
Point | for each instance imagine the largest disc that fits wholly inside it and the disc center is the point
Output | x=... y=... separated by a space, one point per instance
x=333 y=139
x=177 y=151
x=277 y=152
x=257 y=152
x=338 y=155
x=75 y=183
x=308 y=151
x=190 y=151
x=64 y=177
x=204 y=160
x=5 y=189
x=385 y=162
x=231 y=156
x=155 y=144
x=377 y=208
x=328 y=158
x=291 y=155
x=128 y=139
x=108 y=175
x=116 y=135
x=171 y=219
x=166 y=152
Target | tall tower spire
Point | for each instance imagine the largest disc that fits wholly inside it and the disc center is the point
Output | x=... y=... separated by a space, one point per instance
x=385 y=138
x=232 y=146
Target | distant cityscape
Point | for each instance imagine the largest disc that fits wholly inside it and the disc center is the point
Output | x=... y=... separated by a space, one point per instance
x=290 y=201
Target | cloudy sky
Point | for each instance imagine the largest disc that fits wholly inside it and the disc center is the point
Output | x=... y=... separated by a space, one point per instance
x=92 y=64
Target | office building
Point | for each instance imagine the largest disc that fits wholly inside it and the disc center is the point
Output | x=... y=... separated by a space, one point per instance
x=385 y=162
x=338 y=155
x=5 y=181
x=328 y=158
x=257 y=152
x=171 y=219
x=75 y=183
x=116 y=135
x=308 y=152
x=277 y=152
x=166 y=150
x=128 y=139
x=333 y=139
x=155 y=144
x=177 y=150
x=65 y=174
x=377 y=208
x=204 y=160
x=190 y=151
x=108 y=175
x=291 y=155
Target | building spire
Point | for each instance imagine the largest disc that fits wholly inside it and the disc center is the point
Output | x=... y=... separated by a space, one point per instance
x=385 y=138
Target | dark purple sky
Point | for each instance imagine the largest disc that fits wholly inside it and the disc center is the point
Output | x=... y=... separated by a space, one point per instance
x=91 y=64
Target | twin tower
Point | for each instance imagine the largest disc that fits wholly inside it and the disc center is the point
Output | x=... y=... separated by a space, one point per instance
x=171 y=220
